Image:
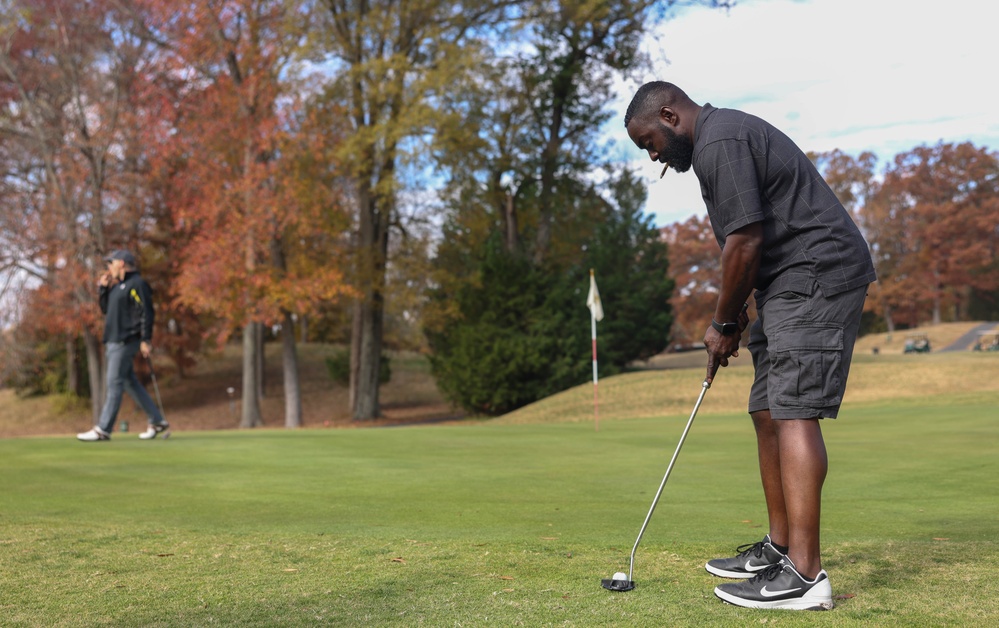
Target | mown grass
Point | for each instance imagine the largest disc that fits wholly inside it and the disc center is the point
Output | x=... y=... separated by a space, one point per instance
x=495 y=523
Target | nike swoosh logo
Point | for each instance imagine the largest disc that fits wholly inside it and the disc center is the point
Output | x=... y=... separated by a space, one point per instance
x=751 y=567
x=767 y=593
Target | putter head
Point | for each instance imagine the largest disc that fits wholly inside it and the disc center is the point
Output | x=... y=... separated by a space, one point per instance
x=617 y=585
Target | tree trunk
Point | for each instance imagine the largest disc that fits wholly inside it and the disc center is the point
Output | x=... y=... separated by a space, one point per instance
x=178 y=361
x=562 y=87
x=367 y=404
x=96 y=371
x=261 y=361
x=292 y=392
x=251 y=363
x=937 y=294
x=511 y=225
x=368 y=324
x=72 y=369
x=355 y=354
x=543 y=237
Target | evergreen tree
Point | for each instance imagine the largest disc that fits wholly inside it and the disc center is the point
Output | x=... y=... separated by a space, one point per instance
x=510 y=332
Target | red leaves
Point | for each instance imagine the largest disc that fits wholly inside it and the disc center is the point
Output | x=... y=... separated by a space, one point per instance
x=931 y=223
x=251 y=165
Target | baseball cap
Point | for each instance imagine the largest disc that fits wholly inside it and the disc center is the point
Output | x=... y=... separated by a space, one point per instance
x=121 y=254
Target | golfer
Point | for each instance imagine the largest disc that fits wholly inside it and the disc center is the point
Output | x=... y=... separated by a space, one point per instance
x=127 y=304
x=783 y=233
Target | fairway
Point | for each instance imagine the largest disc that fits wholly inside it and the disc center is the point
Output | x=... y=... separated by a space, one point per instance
x=489 y=524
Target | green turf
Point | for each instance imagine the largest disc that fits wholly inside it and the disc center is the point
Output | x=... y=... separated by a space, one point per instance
x=485 y=525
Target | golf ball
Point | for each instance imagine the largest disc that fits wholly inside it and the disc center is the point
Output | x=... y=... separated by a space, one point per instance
x=620 y=576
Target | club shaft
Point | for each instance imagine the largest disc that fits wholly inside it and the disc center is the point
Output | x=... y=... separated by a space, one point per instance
x=156 y=388
x=669 y=469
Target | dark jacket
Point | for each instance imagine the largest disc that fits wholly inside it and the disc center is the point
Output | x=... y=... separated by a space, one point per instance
x=128 y=310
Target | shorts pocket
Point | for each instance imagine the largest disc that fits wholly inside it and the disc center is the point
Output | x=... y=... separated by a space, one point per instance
x=805 y=366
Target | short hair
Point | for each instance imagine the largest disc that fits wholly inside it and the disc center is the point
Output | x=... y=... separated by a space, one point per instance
x=651 y=97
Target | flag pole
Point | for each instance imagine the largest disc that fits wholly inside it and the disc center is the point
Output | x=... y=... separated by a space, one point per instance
x=596 y=403
x=596 y=314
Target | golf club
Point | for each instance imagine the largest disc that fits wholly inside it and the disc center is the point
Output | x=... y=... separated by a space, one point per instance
x=620 y=582
x=156 y=389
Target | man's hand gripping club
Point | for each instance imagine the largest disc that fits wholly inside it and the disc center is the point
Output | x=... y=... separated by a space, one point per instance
x=720 y=347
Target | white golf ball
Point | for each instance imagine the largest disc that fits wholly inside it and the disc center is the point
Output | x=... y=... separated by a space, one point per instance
x=620 y=576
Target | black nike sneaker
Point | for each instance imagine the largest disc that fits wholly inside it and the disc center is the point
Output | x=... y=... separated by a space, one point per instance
x=749 y=560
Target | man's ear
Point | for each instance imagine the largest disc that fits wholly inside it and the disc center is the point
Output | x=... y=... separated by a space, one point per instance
x=668 y=116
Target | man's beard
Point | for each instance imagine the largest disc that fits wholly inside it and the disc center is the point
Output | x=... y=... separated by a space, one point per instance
x=679 y=152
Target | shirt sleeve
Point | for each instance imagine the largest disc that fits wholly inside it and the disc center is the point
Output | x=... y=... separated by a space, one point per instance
x=730 y=184
x=102 y=298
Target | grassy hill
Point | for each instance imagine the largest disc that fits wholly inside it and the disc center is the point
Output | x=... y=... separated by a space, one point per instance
x=671 y=383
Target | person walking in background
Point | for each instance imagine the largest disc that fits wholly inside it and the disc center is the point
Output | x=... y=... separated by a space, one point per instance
x=127 y=303
x=783 y=232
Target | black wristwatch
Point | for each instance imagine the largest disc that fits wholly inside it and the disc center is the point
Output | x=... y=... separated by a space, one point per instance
x=725 y=329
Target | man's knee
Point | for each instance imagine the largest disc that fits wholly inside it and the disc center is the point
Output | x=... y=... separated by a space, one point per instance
x=763 y=422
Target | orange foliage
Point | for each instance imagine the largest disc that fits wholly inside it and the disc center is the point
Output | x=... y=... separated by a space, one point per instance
x=695 y=262
x=932 y=225
x=254 y=203
x=68 y=139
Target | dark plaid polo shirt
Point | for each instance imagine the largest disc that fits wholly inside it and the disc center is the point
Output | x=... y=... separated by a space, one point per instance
x=751 y=172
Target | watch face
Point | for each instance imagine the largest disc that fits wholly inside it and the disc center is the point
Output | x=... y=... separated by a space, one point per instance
x=725 y=329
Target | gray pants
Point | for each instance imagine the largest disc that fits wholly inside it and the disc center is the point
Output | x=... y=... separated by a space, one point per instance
x=121 y=377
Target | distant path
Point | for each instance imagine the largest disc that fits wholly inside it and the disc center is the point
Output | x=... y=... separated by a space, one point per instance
x=964 y=342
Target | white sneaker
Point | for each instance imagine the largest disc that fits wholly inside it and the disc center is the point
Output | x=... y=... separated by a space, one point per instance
x=154 y=430
x=93 y=435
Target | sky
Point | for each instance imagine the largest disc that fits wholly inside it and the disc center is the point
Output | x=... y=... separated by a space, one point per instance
x=883 y=76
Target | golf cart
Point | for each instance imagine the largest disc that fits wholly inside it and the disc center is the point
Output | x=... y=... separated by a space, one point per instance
x=917 y=343
x=988 y=341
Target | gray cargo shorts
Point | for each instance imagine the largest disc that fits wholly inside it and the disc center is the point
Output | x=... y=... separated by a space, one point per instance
x=802 y=345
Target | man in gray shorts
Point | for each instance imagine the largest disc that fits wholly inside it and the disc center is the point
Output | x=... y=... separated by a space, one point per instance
x=782 y=232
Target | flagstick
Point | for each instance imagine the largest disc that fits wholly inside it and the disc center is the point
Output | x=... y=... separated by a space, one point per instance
x=596 y=314
x=596 y=404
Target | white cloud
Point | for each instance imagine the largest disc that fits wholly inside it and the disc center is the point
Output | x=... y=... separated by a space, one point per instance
x=857 y=75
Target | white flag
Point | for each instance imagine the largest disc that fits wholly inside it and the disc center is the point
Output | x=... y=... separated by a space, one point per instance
x=593 y=300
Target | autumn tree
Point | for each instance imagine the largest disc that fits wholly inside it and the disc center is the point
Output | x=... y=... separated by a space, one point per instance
x=855 y=181
x=66 y=81
x=390 y=59
x=932 y=227
x=852 y=179
x=254 y=166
